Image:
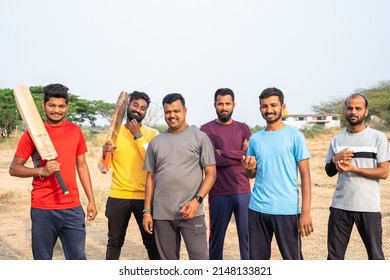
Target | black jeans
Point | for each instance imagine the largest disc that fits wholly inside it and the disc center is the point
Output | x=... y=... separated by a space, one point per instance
x=369 y=226
x=118 y=212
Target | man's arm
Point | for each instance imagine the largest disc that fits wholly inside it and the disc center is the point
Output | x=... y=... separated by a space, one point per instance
x=85 y=179
x=330 y=168
x=379 y=172
x=305 y=221
x=18 y=169
x=147 y=221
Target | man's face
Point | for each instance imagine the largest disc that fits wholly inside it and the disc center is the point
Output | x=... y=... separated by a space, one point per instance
x=137 y=110
x=271 y=109
x=175 y=116
x=224 y=106
x=355 y=110
x=55 y=110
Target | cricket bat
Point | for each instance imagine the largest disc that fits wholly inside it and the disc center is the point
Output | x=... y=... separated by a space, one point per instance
x=36 y=129
x=115 y=125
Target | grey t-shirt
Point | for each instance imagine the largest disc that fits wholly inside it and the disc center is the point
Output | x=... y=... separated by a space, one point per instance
x=354 y=192
x=177 y=161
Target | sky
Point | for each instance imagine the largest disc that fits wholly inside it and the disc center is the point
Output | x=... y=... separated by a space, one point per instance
x=313 y=51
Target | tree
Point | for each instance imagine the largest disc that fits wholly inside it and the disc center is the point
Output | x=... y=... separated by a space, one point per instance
x=334 y=106
x=153 y=115
x=9 y=113
x=103 y=109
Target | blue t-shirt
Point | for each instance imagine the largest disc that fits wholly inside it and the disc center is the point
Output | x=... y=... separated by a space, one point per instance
x=277 y=154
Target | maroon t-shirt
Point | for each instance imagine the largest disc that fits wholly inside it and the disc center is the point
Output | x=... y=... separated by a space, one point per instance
x=231 y=177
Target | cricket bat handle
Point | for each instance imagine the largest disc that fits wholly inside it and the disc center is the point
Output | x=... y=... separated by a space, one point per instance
x=106 y=162
x=65 y=190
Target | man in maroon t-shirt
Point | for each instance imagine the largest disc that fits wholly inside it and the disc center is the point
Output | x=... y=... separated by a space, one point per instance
x=231 y=191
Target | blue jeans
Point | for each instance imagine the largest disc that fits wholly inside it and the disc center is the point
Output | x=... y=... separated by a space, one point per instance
x=68 y=225
x=221 y=209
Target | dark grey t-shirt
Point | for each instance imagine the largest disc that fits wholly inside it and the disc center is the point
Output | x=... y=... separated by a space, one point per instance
x=177 y=161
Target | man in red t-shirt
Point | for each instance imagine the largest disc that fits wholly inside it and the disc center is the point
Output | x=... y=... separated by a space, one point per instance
x=54 y=215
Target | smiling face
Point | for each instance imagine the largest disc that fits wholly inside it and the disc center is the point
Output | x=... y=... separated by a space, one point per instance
x=355 y=110
x=137 y=110
x=55 y=110
x=175 y=116
x=271 y=109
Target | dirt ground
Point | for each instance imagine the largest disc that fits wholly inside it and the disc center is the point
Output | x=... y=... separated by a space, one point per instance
x=15 y=239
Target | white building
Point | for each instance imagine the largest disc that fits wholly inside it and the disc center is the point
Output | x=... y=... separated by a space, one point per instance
x=305 y=120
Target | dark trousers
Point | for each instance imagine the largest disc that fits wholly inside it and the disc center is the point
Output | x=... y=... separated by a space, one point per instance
x=369 y=226
x=221 y=209
x=118 y=212
x=49 y=225
x=261 y=229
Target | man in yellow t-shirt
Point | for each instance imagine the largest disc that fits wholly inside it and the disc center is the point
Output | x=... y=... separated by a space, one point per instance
x=127 y=192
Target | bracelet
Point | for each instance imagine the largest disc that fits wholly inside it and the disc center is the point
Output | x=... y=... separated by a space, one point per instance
x=39 y=174
x=333 y=161
x=147 y=214
x=147 y=210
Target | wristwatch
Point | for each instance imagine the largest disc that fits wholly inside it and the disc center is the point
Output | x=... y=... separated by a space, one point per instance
x=199 y=199
x=138 y=135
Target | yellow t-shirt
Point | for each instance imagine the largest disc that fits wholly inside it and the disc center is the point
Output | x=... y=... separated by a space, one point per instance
x=128 y=176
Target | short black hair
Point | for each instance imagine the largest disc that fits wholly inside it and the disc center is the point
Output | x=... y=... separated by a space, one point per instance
x=55 y=90
x=138 y=95
x=172 y=97
x=223 y=92
x=355 y=95
x=272 y=91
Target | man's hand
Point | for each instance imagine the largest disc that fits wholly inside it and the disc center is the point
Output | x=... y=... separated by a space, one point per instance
x=245 y=145
x=147 y=223
x=108 y=147
x=133 y=126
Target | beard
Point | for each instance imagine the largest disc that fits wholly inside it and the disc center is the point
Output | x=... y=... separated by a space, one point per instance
x=224 y=117
x=134 y=115
x=357 y=121
x=278 y=116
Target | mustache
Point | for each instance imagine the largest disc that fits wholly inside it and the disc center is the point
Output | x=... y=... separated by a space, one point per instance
x=135 y=113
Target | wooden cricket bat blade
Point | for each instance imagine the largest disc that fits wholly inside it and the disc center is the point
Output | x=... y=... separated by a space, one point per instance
x=36 y=129
x=115 y=125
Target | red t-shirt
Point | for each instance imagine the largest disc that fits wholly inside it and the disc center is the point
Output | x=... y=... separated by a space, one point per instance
x=69 y=143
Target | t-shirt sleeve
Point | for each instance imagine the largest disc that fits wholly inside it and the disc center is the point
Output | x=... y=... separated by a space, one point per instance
x=25 y=146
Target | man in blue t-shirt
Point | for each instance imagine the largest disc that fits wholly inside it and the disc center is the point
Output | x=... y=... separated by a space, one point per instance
x=275 y=156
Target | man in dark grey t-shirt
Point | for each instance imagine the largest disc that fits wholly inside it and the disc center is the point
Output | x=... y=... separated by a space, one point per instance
x=181 y=171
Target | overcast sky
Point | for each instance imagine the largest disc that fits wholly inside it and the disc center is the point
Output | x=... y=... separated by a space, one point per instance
x=312 y=50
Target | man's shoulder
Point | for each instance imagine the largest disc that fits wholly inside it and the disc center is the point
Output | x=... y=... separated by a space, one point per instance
x=208 y=124
x=150 y=130
x=70 y=124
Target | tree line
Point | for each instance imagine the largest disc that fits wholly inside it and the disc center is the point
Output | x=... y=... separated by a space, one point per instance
x=81 y=111
x=85 y=111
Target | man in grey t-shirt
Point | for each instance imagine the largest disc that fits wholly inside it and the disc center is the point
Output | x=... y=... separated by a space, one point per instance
x=360 y=156
x=181 y=171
